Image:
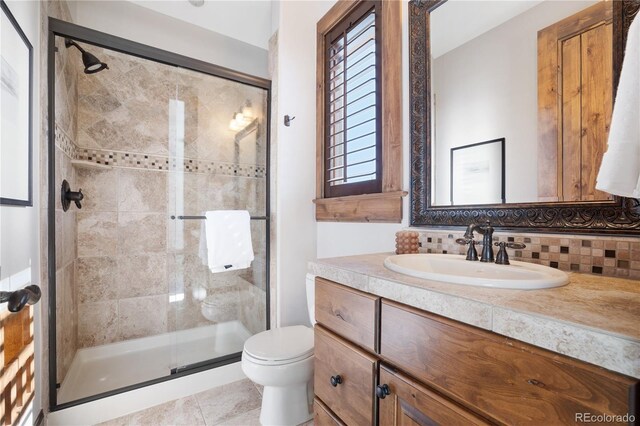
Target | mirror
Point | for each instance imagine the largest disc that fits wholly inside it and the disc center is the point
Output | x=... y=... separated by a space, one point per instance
x=534 y=73
x=539 y=76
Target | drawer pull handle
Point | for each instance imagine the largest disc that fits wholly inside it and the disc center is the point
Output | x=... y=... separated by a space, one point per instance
x=382 y=391
x=335 y=380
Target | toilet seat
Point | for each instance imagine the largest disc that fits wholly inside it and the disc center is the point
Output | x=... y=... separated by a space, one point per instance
x=284 y=345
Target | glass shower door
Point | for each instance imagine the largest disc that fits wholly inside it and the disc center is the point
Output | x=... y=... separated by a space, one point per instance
x=218 y=146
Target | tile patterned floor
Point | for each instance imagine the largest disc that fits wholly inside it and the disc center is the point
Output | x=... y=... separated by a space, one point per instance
x=234 y=404
x=237 y=403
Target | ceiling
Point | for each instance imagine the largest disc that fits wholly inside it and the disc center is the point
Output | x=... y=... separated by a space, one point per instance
x=245 y=20
x=459 y=21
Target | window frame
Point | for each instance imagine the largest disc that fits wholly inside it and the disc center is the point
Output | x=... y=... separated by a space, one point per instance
x=383 y=203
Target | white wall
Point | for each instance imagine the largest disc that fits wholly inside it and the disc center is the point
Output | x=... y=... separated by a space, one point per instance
x=491 y=82
x=19 y=226
x=128 y=20
x=296 y=153
x=300 y=237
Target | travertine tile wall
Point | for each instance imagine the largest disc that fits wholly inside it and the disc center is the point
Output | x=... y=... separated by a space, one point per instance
x=609 y=256
x=138 y=272
x=66 y=126
x=57 y=9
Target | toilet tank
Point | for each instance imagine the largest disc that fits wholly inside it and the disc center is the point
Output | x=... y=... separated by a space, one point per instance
x=311 y=297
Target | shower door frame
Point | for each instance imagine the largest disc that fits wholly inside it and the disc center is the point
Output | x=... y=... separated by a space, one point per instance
x=58 y=28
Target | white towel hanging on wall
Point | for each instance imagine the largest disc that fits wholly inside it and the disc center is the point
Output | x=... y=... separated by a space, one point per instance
x=620 y=170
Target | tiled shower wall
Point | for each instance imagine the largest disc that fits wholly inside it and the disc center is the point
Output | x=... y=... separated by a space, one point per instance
x=138 y=272
x=66 y=255
x=609 y=256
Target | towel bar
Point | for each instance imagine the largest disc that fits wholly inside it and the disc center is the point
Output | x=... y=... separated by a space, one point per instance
x=204 y=217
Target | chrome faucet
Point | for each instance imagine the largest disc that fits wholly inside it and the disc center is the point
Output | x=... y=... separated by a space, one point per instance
x=487 y=239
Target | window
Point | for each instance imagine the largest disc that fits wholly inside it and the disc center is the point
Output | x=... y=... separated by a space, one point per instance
x=359 y=112
x=352 y=139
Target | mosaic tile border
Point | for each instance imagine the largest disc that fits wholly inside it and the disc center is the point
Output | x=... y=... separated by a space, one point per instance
x=613 y=257
x=159 y=162
x=65 y=142
x=155 y=162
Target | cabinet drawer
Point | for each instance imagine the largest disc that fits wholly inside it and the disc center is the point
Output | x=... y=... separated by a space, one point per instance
x=350 y=313
x=351 y=399
x=503 y=379
x=322 y=416
x=409 y=402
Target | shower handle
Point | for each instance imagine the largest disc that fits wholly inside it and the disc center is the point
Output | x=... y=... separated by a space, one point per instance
x=67 y=196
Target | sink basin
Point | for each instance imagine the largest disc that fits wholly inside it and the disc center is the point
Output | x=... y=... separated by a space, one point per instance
x=456 y=269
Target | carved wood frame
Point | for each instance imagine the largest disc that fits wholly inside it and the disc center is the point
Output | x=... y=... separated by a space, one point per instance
x=620 y=216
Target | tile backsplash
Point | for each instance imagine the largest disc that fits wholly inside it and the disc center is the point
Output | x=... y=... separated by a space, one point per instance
x=608 y=256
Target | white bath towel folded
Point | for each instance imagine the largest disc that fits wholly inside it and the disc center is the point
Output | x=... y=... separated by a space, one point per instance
x=225 y=240
x=620 y=170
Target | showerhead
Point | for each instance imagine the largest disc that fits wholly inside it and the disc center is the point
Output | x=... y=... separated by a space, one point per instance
x=92 y=64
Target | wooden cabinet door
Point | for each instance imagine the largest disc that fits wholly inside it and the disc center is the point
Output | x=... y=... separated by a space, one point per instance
x=408 y=403
x=344 y=378
x=575 y=102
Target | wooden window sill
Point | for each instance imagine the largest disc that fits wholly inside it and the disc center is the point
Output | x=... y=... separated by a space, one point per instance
x=384 y=207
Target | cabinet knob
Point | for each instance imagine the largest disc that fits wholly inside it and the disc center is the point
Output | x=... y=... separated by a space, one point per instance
x=382 y=391
x=335 y=380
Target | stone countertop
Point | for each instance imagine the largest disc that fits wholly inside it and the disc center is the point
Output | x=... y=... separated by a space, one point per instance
x=595 y=319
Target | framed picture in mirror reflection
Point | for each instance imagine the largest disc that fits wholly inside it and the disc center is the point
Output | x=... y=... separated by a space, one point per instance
x=478 y=173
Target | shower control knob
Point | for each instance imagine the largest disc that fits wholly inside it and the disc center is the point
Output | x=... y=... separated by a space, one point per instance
x=382 y=391
x=78 y=197
x=67 y=196
x=335 y=380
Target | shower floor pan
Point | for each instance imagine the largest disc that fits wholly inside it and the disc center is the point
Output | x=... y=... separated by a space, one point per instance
x=108 y=367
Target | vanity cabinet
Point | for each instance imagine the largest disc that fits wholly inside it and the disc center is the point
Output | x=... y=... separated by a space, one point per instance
x=392 y=364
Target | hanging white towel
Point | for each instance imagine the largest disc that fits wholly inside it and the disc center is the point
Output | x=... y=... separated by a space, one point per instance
x=227 y=240
x=620 y=170
x=203 y=253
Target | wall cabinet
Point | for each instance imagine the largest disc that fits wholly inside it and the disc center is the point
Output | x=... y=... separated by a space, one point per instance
x=423 y=369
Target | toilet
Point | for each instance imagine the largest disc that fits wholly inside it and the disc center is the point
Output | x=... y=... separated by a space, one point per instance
x=281 y=360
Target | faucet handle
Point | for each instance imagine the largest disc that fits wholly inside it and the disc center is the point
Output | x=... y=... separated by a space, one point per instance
x=517 y=246
x=472 y=253
x=502 y=258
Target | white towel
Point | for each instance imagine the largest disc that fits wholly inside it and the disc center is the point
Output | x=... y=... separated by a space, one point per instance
x=620 y=170
x=225 y=240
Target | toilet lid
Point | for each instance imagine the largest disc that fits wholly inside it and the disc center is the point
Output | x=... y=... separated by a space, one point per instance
x=281 y=344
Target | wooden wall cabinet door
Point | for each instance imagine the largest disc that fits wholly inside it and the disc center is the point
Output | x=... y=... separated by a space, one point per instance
x=410 y=403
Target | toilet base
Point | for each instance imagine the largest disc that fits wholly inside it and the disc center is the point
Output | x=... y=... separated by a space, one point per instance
x=288 y=405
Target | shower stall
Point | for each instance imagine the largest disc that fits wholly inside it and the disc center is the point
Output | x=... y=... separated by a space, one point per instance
x=143 y=143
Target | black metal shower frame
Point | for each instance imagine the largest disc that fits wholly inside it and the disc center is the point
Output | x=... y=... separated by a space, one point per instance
x=67 y=30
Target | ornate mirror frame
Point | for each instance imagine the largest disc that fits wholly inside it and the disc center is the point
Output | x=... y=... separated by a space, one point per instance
x=620 y=216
